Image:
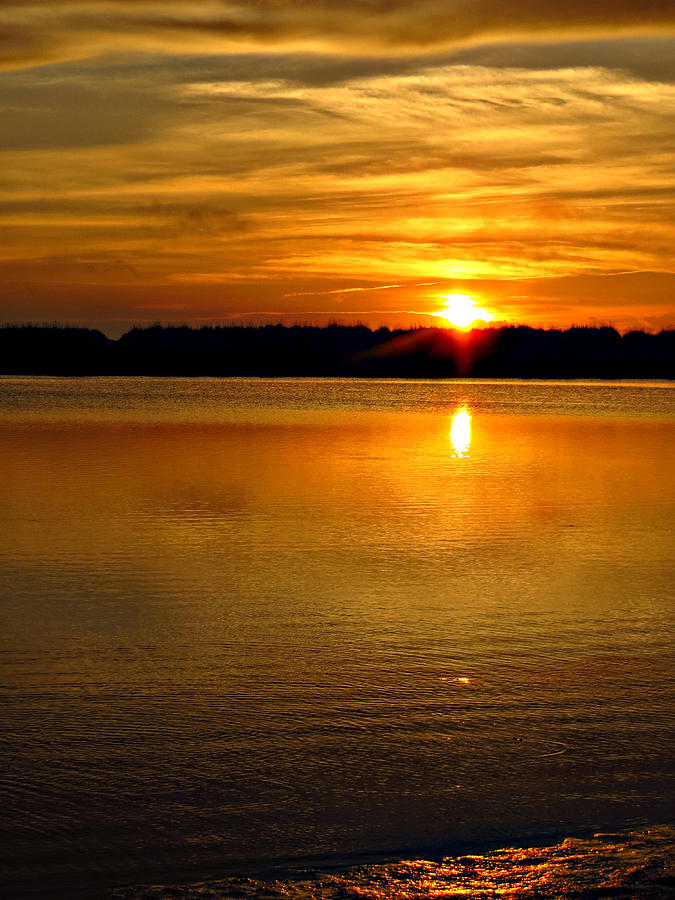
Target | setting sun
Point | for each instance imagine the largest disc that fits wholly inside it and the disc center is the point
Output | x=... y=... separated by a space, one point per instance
x=462 y=312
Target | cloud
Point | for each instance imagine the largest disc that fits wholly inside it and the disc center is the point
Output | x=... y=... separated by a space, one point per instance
x=452 y=171
x=650 y=58
x=63 y=113
x=271 y=175
x=344 y=290
x=35 y=30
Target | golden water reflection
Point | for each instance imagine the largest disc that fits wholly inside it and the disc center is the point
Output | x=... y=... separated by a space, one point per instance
x=460 y=431
x=635 y=864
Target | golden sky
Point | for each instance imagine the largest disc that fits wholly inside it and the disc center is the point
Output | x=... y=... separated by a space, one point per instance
x=318 y=160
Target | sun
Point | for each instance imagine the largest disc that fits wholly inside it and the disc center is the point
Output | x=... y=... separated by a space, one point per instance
x=462 y=312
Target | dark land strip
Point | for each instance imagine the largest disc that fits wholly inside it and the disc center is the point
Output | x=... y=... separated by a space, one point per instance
x=339 y=351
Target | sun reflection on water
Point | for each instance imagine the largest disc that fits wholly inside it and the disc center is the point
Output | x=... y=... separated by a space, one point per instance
x=460 y=431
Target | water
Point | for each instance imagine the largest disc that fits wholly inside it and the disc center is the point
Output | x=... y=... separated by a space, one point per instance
x=256 y=630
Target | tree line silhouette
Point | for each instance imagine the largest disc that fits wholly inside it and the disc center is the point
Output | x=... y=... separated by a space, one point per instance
x=339 y=350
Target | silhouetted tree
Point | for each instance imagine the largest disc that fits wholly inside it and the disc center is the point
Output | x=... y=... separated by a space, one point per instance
x=277 y=350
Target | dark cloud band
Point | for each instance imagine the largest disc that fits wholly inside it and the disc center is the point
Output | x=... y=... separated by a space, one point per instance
x=42 y=30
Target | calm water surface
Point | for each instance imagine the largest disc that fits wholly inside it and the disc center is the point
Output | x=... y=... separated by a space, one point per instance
x=258 y=623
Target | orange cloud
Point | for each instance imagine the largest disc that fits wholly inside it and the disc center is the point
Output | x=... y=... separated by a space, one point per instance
x=47 y=30
x=217 y=170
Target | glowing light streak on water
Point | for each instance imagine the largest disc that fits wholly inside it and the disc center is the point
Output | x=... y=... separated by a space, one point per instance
x=460 y=431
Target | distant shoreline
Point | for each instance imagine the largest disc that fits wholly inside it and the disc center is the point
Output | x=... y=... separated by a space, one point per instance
x=340 y=351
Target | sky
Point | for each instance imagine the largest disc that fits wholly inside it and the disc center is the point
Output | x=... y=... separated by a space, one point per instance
x=337 y=160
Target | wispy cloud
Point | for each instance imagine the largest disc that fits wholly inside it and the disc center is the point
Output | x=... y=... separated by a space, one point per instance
x=346 y=290
x=255 y=154
x=44 y=30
